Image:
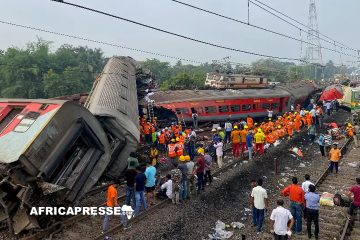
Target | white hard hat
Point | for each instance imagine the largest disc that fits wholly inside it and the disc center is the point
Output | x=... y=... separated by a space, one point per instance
x=219 y=128
x=213 y=130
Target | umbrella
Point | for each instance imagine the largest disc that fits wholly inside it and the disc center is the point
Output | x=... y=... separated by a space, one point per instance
x=331 y=93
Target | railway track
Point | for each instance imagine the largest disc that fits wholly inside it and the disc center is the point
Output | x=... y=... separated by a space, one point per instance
x=84 y=223
x=333 y=221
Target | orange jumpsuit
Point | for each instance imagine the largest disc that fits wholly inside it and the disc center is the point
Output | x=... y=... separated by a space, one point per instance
x=289 y=128
x=297 y=125
x=308 y=120
x=249 y=122
x=270 y=138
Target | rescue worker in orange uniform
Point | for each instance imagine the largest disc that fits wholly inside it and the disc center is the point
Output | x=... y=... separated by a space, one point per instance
x=350 y=130
x=270 y=137
x=143 y=120
x=308 y=119
x=147 y=133
x=249 y=121
x=235 y=140
x=243 y=134
x=162 y=141
x=179 y=147
x=172 y=151
x=297 y=125
x=289 y=129
x=181 y=138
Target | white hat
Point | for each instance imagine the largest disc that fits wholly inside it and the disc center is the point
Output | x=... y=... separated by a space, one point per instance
x=213 y=130
x=219 y=128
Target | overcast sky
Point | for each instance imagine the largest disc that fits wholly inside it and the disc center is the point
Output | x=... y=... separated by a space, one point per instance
x=336 y=18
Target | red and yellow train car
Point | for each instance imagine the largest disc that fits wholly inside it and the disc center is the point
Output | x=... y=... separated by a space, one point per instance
x=216 y=105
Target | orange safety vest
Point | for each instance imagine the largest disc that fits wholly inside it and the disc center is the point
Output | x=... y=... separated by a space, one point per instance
x=146 y=129
x=181 y=139
x=152 y=128
x=270 y=138
x=249 y=122
x=162 y=138
x=289 y=129
x=297 y=124
x=308 y=119
x=180 y=149
x=171 y=150
x=235 y=136
x=275 y=134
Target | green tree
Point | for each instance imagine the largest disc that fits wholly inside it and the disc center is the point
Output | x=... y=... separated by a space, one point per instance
x=36 y=72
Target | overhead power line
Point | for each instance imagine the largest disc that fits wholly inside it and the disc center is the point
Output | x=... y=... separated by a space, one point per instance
x=295 y=26
x=259 y=27
x=107 y=44
x=179 y=35
x=304 y=25
x=98 y=41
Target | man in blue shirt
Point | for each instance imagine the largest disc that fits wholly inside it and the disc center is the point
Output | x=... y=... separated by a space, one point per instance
x=228 y=129
x=249 y=143
x=321 y=143
x=150 y=173
x=140 y=181
x=312 y=210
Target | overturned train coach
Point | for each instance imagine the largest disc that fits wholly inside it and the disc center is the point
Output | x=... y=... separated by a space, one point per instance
x=52 y=152
x=216 y=105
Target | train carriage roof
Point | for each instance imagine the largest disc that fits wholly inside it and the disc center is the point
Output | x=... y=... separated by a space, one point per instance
x=205 y=95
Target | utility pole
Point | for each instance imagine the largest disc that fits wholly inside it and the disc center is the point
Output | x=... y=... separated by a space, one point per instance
x=313 y=50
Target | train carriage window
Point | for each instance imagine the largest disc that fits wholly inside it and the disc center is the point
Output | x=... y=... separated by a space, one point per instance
x=274 y=106
x=198 y=110
x=235 y=108
x=246 y=107
x=182 y=110
x=210 y=109
x=26 y=122
x=265 y=106
x=223 y=108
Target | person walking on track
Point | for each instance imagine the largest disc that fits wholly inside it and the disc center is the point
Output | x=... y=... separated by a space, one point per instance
x=297 y=201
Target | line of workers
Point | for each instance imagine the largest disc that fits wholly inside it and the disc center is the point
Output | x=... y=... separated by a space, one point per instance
x=176 y=140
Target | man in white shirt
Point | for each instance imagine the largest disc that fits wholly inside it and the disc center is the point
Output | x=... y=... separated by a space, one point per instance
x=168 y=186
x=280 y=217
x=305 y=185
x=328 y=108
x=190 y=181
x=259 y=201
x=270 y=113
x=302 y=112
x=313 y=115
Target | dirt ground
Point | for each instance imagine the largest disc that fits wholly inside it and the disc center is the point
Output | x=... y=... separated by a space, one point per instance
x=227 y=199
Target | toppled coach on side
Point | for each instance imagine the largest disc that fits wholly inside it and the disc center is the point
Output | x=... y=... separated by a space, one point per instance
x=52 y=152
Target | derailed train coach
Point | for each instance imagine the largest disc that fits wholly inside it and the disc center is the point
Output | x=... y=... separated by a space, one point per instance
x=113 y=100
x=52 y=152
x=217 y=105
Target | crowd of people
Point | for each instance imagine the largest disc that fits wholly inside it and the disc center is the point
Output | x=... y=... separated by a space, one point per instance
x=191 y=162
x=304 y=202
